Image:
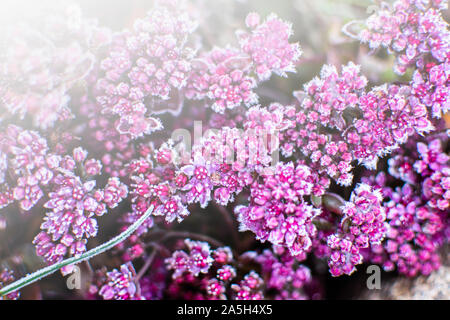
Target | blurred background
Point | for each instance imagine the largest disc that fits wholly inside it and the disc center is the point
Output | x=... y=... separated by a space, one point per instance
x=317 y=25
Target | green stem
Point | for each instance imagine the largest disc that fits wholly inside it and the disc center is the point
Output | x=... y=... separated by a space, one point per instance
x=35 y=276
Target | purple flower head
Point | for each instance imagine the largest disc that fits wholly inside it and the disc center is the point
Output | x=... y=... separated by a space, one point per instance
x=7 y=277
x=268 y=46
x=197 y=261
x=411 y=30
x=120 y=284
x=277 y=211
x=249 y=287
x=27 y=159
x=363 y=224
x=414 y=234
x=146 y=64
x=73 y=205
x=222 y=77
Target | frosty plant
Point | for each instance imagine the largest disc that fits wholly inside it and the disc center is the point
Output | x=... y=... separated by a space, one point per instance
x=264 y=141
x=134 y=132
x=74 y=260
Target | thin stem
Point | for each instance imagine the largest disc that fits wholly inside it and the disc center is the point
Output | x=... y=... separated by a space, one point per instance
x=161 y=249
x=347 y=32
x=196 y=236
x=89 y=267
x=44 y=272
x=147 y=264
x=185 y=234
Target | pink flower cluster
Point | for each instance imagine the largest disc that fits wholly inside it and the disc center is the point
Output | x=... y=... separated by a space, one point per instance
x=431 y=88
x=74 y=204
x=285 y=273
x=418 y=35
x=362 y=225
x=216 y=267
x=284 y=172
x=390 y=116
x=226 y=76
x=102 y=137
x=249 y=288
x=322 y=104
x=427 y=167
x=414 y=236
x=268 y=46
x=281 y=276
x=217 y=168
x=417 y=212
x=7 y=277
x=278 y=211
x=120 y=284
x=26 y=166
x=223 y=77
x=145 y=65
x=340 y=102
x=433 y=166
x=198 y=260
x=413 y=29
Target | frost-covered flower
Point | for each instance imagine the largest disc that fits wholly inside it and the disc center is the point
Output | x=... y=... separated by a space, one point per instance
x=322 y=105
x=364 y=216
x=390 y=116
x=345 y=255
x=7 y=277
x=414 y=235
x=120 y=284
x=145 y=64
x=249 y=288
x=426 y=164
x=413 y=30
x=432 y=88
x=73 y=205
x=283 y=168
x=362 y=224
x=26 y=158
x=285 y=274
x=198 y=260
x=222 y=76
x=278 y=212
x=268 y=46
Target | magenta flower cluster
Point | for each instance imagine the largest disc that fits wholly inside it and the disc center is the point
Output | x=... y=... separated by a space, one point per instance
x=412 y=29
x=285 y=274
x=74 y=204
x=25 y=156
x=120 y=285
x=389 y=111
x=344 y=171
x=278 y=211
x=416 y=33
x=144 y=64
x=227 y=76
x=6 y=277
x=216 y=273
x=417 y=212
x=198 y=260
x=362 y=225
